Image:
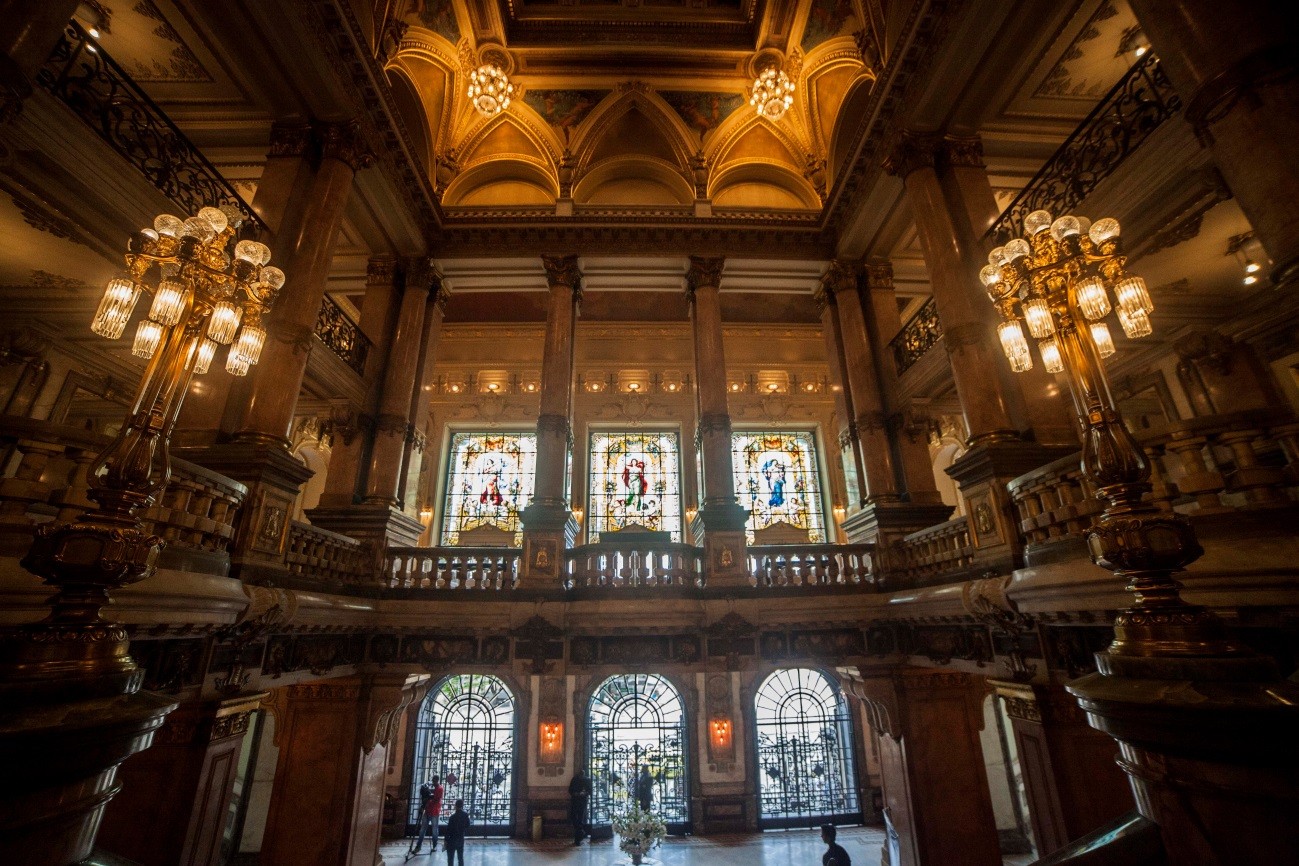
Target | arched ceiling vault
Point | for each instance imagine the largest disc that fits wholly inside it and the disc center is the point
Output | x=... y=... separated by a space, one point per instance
x=626 y=105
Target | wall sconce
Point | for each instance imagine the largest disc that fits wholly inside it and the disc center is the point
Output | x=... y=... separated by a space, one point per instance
x=633 y=386
x=552 y=742
x=721 y=733
x=426 y=515
x=493 y=387
x=578 y=514
x=691 y=511
x=839 y=511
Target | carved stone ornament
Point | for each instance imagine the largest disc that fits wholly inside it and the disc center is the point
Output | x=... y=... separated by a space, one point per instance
x=911 y=152
x=986 y=600
x=879 y=274
x=839 y=277
x=290 y=139
x=965 y=152
x=387 y=702
x=345 y=142
x=563 y=271
x=704 y=272
x=380 y=270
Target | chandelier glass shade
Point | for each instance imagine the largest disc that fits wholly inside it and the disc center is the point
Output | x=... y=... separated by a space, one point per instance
x=773 y=93
x=1058 y=281
x=490 y=90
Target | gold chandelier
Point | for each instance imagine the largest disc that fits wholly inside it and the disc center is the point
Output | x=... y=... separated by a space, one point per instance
x=773 y=93
x=204 y=297
x=490 y=90
x=1057 y=281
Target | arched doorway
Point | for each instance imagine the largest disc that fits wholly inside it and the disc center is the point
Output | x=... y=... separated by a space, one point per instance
x=806 y=772
x=464 y=734
x=638 y=721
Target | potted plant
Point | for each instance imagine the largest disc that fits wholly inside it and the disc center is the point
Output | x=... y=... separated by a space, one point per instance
x=639 y=832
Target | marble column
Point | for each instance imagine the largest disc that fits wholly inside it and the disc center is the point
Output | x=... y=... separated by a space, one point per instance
x=417 y=456
x=333 y=735
x=260 y=407
x=1235 y=69
x=1039 y=405
x=351 y=426
x=931 y=762
x=862 y=380
x=548 y=525
x=1072 y=781
x=175 y=797
x=911 y=437
x=283 y=190
x=721 y=517
x=267 y=402
x=849 y=443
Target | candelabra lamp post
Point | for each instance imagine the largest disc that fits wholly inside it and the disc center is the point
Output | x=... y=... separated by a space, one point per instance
x=72 y=709
x=1204 y=724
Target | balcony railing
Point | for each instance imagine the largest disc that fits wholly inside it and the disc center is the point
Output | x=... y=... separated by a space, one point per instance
x=341 y=335
x=1127 y=115
x=319 y=554
x=81 y=75
x=451 y=568
x=811 y=564
x=632 y=564
x=917 y=337
x=924 y=556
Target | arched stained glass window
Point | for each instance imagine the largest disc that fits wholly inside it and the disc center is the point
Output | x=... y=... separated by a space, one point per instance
x=637 y=729
x=806 y=770
x=490 y=477
x=777 y=479
x=465 y=736
x=635 y=480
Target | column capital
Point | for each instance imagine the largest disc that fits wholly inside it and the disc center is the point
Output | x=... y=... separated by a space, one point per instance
x=421 y=274
x=911 y=151
x=345 y=142
x=879 y=274
x=704 y=272
x=839 y=277
x=963 y=151
x=380 y=270
x=563 y=271
x=290 y=138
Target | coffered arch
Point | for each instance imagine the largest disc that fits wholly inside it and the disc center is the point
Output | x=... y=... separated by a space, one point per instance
x=633 y=179
x=633 y=122
x=504 y=162
x=757 y=183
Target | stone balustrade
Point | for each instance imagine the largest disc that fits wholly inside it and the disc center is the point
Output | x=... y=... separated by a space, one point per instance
x=451 y=568
x=318 y=554
x=943 y=550
x=46 y=477
x=634 y=564
x=1209 y=465
x=811 y=564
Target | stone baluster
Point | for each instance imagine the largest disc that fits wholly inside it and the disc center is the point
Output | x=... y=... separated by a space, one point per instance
x=1198 y=479
x=1260 y=484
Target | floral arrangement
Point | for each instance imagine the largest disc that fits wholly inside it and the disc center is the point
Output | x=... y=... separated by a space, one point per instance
x=639 y=832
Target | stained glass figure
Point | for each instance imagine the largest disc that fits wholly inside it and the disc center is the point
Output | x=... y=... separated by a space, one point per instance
x=489 y=481
x=635 y=480
x=806 y=772
x=637 y=728
x=465 y=735
x=777 y=479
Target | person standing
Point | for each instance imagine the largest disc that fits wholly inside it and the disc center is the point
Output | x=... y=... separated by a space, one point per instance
x=429 y=815
x=579 y=801
x=644 y=789
x=453 y=837
x=834 y=854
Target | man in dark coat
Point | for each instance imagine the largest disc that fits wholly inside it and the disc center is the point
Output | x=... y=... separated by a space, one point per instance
x=453 y=837
x=579 y=800
x=645 y=789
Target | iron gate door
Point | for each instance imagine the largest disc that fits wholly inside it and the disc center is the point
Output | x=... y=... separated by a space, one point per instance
x=465 y=736
x=806 y=770
x=637 y=724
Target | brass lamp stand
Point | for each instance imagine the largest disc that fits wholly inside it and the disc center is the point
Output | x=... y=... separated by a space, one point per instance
x=1204 y=724
x=72 y=710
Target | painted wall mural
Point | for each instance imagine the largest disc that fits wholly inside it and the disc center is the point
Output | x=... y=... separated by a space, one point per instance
x=827 y=19
x=563 y=109
x=702 y=112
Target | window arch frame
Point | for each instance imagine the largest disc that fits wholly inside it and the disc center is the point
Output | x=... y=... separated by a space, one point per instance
x=421 y=733
x=848 y=732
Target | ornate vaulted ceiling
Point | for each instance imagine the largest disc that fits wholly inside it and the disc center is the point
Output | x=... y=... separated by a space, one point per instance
x=627 y=104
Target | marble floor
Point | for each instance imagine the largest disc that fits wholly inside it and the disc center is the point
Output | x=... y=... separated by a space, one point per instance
x=779 y=848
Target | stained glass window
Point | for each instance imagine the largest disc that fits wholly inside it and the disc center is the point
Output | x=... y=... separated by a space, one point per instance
x=465 y=736
x=635 y=479
x=805 y=751
x=777 y=479
x=489 y=481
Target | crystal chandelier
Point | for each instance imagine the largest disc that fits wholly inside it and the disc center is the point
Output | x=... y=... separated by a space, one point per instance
x=1057 y=281
x=204 y=297
x=490 y=90
x=773 y=93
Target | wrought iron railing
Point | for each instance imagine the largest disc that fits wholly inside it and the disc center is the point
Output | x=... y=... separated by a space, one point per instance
x=917 y=337
x=1127 y=115
x=81 y=75
x=342 y=336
